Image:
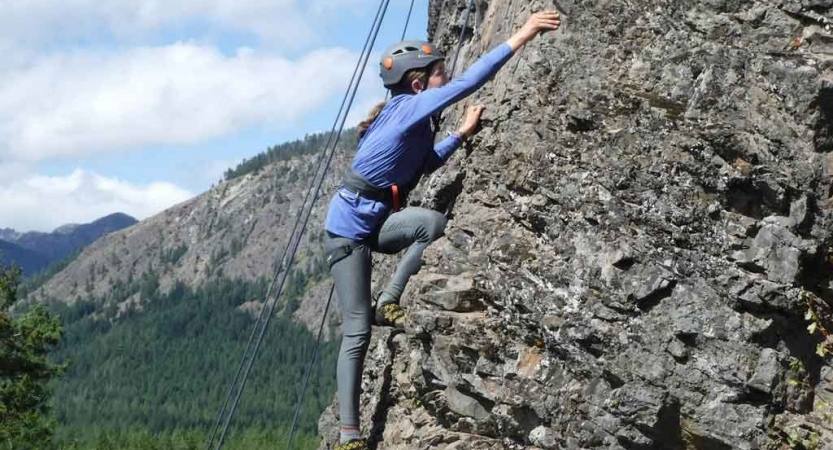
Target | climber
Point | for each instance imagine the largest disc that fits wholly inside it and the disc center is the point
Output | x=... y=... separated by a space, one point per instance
x=396 y=146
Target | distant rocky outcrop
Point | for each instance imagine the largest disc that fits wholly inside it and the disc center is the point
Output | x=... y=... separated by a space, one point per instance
x=640 y=253
x=34 y=250
x=28 y=261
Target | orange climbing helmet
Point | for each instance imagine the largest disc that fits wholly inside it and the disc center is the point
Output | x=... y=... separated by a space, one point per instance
x=405 y=56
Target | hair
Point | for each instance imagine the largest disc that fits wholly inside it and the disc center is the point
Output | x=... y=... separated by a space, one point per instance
x=404 y=87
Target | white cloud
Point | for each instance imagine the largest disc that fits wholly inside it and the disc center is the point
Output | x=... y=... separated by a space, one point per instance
x=38 y=202
x=360 y=110
x=370 y=93
x=215 y=170
x=204 y=172
x=288 y=22
x=85 y=77
x=12 y=171
x=79 y=103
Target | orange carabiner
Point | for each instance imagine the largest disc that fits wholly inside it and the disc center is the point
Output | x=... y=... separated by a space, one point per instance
x=395 y=191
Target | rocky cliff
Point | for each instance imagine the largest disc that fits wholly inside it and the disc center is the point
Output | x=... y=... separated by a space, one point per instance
x=640 y=249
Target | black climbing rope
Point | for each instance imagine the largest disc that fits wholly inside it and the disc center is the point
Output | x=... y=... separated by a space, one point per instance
x=404 y=30
x=407 y=21
x=250 y=353
x=460 y=40
x=309 y=371
x=329 y=299
x=466 y=18
x=291 y=248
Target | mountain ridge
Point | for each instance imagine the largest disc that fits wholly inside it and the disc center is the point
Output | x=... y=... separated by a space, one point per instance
x=236 y=229
x=30 y=262
x=42 y=249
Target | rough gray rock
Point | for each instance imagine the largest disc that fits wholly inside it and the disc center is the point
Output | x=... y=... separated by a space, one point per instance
x=636 y=236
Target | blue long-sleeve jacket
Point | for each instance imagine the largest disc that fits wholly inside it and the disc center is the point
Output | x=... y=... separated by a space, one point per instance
x=399 y=146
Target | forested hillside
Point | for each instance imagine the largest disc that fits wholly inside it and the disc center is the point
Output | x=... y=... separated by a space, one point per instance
x=165 y=370
x=156 y=316
x=237 y=229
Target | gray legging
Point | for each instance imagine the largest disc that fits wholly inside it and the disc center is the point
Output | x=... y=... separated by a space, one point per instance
x=414 y=228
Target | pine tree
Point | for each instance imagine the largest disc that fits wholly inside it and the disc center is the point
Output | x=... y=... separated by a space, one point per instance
x=24 y=370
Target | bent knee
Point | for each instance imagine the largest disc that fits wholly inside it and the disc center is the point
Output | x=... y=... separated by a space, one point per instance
x=435 y=225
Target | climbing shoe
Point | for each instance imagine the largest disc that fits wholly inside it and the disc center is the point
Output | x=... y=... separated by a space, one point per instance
x=390 y=315
x=355 y=444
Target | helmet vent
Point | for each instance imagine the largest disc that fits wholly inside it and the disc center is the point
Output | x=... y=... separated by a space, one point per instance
x=404 y=56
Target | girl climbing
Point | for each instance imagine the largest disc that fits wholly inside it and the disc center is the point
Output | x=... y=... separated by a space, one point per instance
x=396 y=147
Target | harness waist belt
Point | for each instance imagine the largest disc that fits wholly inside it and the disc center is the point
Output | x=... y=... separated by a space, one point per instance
x=391 y=196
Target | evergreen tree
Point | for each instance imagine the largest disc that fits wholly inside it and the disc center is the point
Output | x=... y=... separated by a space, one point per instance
x=156 y=377
x=24 y=370
x=311 y=144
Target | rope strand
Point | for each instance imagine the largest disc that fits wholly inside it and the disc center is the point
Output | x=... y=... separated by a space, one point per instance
x=290 y=250
x=462 y=35
x=284 y=266
x=309 y=370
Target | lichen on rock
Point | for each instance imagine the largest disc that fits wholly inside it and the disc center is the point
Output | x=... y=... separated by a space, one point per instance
x=635 y=238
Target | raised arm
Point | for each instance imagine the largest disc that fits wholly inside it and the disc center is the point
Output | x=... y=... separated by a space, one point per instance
x=428 y=102
x=537 y=23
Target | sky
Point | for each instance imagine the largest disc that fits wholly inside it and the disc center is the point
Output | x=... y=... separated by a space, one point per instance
x=134 y=106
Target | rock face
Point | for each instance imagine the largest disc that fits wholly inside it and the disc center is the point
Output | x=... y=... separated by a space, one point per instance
x=640 y=237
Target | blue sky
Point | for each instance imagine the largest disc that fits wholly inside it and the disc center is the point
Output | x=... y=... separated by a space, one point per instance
x=136 y=105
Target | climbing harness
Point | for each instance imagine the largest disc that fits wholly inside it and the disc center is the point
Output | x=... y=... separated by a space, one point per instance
x=393 y=196
x=282 y=270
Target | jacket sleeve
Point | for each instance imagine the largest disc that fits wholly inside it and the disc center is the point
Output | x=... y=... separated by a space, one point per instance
x=442 y=151
x=426 y=103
